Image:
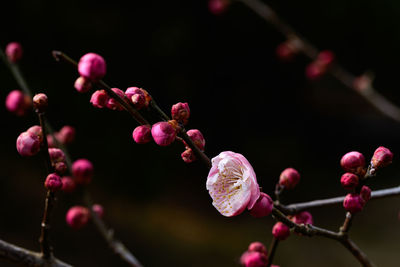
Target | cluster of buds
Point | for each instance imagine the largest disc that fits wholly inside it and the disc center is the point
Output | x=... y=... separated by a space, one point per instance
x=18 y=103
x=29 y=142
x=57 y=158
x=138 y=97
x=320 y=65
x=255 y=256
x=197 y=137
x=281 y=231
x=356 y=172
x=65 y=136
x=78 y=217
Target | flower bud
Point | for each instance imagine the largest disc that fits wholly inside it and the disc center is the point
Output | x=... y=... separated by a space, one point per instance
x=349 y=181
x=263 y=206
x=257 y=246
x=83 y=85
x=365 y=193
x=60 y=167
x=314 y=71
x=253 y=259
x=288 y=49
x=112 y=103
x=353 y=162
x=280 y=231
x=53 y=182
x=99 y=210
x=68 y=184
x=14 y=52
x=92 y=66
x=353 y=203
x=82 y=170
x=325 y=58
x=40 y=102
x=77 y=217
x=28 y=144
x=18 y=103
x=99 y=99
x=180 y=112
x=56 y=155
x=36 y=130
x=197 y=138
x=163 y=133
x=382 y=157
x=188 y=155
x=303 y=217
x=138 y=96
x=66 y=135
x=289 y=178
x=50 y=141
x=217 y=7
x=142 y=134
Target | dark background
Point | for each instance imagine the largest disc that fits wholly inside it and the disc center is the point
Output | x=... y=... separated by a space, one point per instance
x=241 y=98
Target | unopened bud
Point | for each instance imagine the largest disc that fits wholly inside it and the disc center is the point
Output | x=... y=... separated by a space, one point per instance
x=353 y=162
x=112 y=103
x=349 y=181
x=263 y=206
x=18 y=103
x=99 y=210
x=180 y=112
x=197 y=138
x=289 y=178
x=40 y=102
x=99 y=99
x=257 y=246
x=82 y=170
x=53 y=182
x=92 y=66
x=28 y=144
x=382 y=157
x=14 y=52
x=253 y=259
x=280 y=231
x=353 y=203
x=83 y=85
x=66 y=135
x=218 y=7
x=163 y=133
x=68 y=184
x=77 y=217
x=36 y=130
x=188 y=155
x=142 y=134
x=303 y=217
x=365 y=193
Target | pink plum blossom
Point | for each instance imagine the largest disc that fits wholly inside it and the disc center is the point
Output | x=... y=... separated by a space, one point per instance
x=232 y=184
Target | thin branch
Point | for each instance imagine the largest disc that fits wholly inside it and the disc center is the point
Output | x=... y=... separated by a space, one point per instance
x=27 y=257
x=345 y=77
x=344 y=229
x=357 y=253
x=272 y=249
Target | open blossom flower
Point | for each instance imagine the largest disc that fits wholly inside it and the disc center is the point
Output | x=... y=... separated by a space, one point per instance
x=232 y=184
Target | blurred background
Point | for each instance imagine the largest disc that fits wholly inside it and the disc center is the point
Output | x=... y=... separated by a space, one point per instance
x=242 y=98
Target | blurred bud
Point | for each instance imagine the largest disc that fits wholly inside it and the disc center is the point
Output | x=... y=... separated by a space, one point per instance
x=99 y=99
x=257 y=246
x=287 y=50
x=218 y=7
x=50 y=141
x=289 y=178
x=83 y=85
x=68 y=184
x=349 y=181
x=188 y=155
x=92 y=66
x=314 y=71
x=99 y=210
x=14 y=52
x=325 y=58
x=303 y=217
x=18 y=103
x=280 y=231
x=263 y=206
x=197 y=138
x=60 y=167
x=253 y=259
x=180 y=112
x=353 y=162
x=28 y=144
x=362 y=83
x=353 y=203
x=56 y=155
x=66 y=135
x=53 y=182
x=40 y=102
x=77 y=217
x=112 y=103
x=82 y=170
x=163 y=133
x=382 y=157
x=142 y=134
x=365 y=193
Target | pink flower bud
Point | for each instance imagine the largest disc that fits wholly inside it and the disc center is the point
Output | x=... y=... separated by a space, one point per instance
x=257 y=246
x=137 y=96
x=28 y=144
x=18 y=103
x=303 y=217
x=50 y=141
x=288 y=49
x=163 y=133
x=40 y=102
x=365 y=193
x=92 y=66
x=353 y=203
x=60 y=167
x=36 y=130
x=232 y=184
x=82 y=170
x=112 y=103
x=382 y=157
x=218 y=7
x=68 y=184
x=66 y=135
x=325 y=58
x=197 y=138
x=280 y=231
x=180 y=112
x=138 y=100
x=83 y=85
x=142 y=134
x=262 y=207
x=289 y=178
x=99 y=210
x=349 y=181
x=56 y=155
x=353 y=162
x=188 y=155
x=53 y=182
x=99 y=99
x=14 y=52
x=77 y=217
x=253 y=259
x=314 y=71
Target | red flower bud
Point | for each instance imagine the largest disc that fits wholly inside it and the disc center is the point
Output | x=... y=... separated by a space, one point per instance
x=197 y=138
x=365 y=193
x=382 y=157
x=289 y=178
x=349 y=181
x=82 y=170
x=262 y=207
x=68 y=184
x=163 y=133
x=180 y=112
x=14 y=52
x=353 y=162
x=77 y=217
x=188 y=155
x=303 y=217
x=142 y=134
x=257 y=246
x=280 y=231
x=18 y=103
x=99 y=99
x=92 y=66
x=53 y=182
x=28 y=144
x=353 y=203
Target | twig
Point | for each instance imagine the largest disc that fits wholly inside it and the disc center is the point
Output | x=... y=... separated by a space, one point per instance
x=345 y=77
x=357 y=253
x=344 y=229
x=27 y=257
x=272 y=249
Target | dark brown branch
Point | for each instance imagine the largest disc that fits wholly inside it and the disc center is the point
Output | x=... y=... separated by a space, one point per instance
x=357 y=253
x=272 y=250
x=26 y=257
